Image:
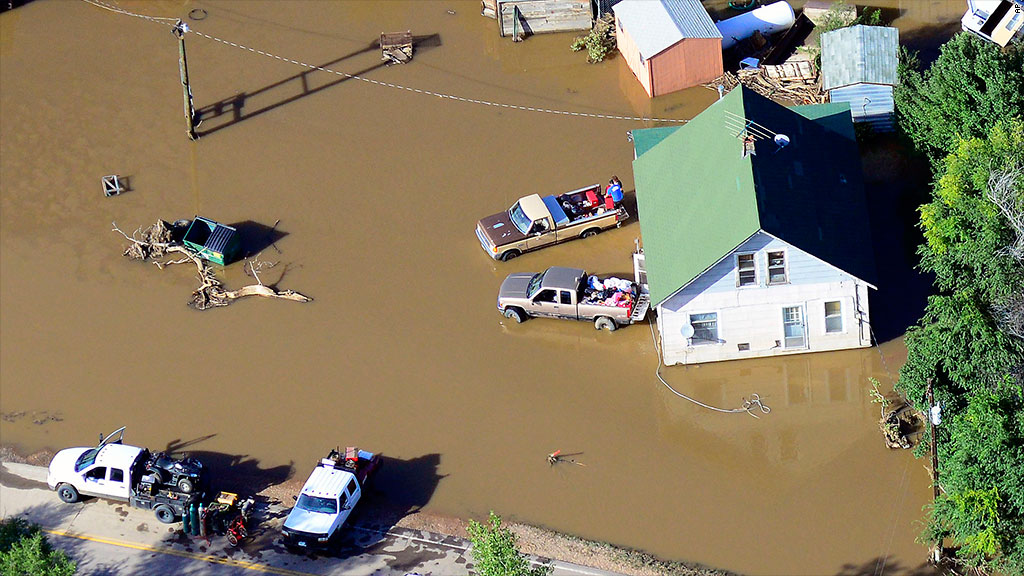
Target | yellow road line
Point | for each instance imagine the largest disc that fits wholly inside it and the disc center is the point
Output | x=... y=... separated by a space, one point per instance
x=183 y=554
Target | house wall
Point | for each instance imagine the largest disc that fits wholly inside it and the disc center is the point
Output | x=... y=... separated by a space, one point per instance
x=692 y=61
x=753 y=314
x=631 y=54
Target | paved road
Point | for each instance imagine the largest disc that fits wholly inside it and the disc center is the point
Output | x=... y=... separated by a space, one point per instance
x=109 y=538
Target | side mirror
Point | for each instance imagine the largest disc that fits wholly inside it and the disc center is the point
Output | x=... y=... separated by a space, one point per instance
x=295 y=498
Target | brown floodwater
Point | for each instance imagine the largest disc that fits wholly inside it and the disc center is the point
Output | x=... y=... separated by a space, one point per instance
x=377 y=191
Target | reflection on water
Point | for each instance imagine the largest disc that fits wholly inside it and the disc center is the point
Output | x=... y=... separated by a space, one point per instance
x=376 y=192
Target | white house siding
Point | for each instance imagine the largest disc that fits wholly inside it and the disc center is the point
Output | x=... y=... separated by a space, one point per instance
x=753 y=315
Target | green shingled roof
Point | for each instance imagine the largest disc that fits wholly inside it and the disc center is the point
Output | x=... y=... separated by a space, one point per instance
x=699 y=197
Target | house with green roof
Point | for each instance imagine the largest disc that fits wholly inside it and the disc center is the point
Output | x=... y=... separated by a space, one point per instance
x=756 y=240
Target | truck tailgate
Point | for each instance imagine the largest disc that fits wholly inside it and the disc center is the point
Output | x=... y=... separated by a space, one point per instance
x=643 y=304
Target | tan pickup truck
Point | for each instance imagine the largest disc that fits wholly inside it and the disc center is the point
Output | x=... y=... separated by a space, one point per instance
x=570 y=294
x=534 y=222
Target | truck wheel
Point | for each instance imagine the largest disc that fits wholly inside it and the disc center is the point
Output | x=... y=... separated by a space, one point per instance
x=589 y=233
x=164 y=513
x=506 y=256
x=605 y=323
x=515 y=314
x=185 y=485
x=67 y=493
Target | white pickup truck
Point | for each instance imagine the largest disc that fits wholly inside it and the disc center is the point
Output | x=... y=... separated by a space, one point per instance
x=119 y=472
x=328 y=497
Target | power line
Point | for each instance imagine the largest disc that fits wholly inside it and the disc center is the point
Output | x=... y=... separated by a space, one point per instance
x=453 y=97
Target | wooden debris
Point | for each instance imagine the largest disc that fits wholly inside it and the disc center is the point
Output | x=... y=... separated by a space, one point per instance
x=162 y=239
x=782 y=90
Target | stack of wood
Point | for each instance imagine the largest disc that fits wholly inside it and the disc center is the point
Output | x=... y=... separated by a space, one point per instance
x=777 y=85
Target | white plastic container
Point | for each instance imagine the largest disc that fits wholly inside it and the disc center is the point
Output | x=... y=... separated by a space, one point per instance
x=768 y=19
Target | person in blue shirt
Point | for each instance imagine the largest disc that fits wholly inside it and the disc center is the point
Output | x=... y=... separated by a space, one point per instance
x=615 y=189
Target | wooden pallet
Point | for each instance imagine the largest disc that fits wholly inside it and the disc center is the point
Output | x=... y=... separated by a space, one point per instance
x=798 y=70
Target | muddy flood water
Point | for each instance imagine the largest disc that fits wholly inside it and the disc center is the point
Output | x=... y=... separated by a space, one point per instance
x=376 y=191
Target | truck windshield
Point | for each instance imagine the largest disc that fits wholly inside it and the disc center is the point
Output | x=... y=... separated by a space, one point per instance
x=534 y=285
x=519 y=218
x=86 y=459
x=317 y=504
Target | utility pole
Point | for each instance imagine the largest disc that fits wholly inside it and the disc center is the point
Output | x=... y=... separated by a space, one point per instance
x=937 y=552
x=179 y=30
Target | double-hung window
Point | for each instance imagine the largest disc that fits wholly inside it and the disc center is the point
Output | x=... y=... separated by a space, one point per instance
x=705 y=328
x=833 y=317
x=746 y=270
x=777 y=267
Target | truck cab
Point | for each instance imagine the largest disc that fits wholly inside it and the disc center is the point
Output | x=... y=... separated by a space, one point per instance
x=105 y=471
x=327 y=498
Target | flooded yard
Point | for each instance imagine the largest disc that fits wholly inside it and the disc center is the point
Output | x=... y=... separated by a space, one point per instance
x=376 y=191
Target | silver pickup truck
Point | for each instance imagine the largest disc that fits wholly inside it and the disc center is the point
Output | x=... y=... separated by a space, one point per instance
x=570 y=294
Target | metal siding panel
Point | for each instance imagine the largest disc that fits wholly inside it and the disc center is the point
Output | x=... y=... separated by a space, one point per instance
x=859 y=54
x=866 y=100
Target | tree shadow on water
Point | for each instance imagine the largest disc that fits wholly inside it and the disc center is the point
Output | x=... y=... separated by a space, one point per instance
x=879 y=566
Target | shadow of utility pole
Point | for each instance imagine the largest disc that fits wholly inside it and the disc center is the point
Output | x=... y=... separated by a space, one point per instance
x=231 y=111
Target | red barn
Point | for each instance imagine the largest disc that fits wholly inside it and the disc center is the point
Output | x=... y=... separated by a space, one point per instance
x=668 y=44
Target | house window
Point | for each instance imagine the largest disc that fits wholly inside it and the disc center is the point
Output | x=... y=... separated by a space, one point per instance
x=705 y=328
x=746 y=273
x=777 y=267
x=1013 y=21
x=833 y=317
x=793 y=327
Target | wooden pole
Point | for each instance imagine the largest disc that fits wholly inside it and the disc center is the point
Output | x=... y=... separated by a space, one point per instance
x=937 y=552
x=179 y=30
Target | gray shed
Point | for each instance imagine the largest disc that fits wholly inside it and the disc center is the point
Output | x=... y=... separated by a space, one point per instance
x=858 y=65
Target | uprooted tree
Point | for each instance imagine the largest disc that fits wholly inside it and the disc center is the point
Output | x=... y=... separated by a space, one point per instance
x=160 y=241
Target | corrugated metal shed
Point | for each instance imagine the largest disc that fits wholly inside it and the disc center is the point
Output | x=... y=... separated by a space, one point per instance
x=656 y=25
x=859 y=54
x=869 y=103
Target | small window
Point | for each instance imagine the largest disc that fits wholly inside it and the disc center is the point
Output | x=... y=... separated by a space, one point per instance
x=546 y=296
x=539 y=226
x=777 y=267
x=116 y=475
x=746 y=271
x=351 y=487
x=833 y=317
x=793 y=327
x=97 y=473
x=566 y=297
x=1013 y=21
x=705 y=328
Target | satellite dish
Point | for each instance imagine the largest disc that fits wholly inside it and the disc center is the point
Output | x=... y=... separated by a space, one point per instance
x=687 y=330
x=781 y=140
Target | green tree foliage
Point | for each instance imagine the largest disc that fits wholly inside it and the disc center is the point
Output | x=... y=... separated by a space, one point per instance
x=972 y=85
x=495 y=553
x=975 y=363
x=599 y=42
x=24 y=551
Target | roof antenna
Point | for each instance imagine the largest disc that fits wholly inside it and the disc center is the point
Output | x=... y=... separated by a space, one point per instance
x=781 y=140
